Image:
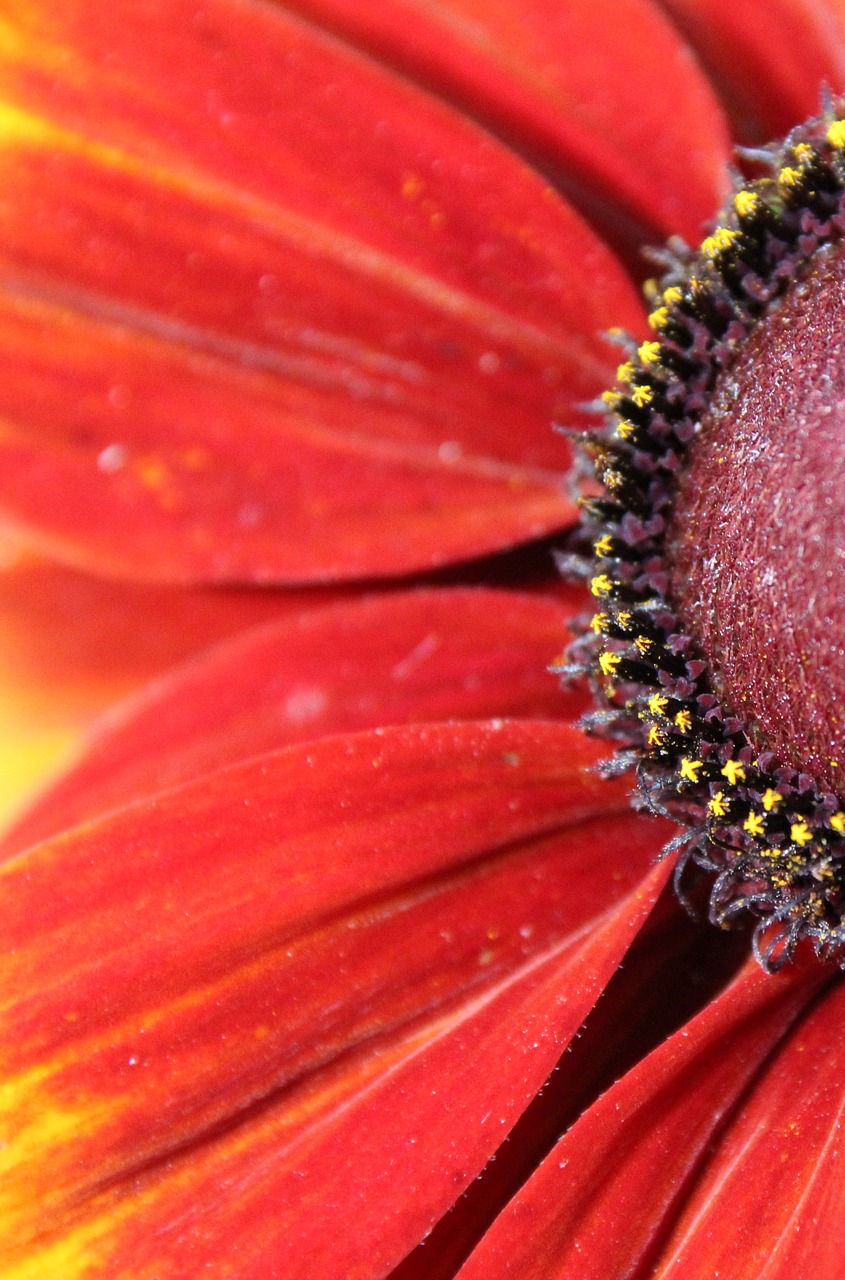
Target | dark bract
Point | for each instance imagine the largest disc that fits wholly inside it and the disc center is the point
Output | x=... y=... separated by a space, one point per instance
x=718 y=549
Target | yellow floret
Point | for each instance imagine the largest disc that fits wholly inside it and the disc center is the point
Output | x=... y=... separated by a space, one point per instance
x=747 y=203
x=754 y=824
x=799 y=833
x=649 y=352
x=836 y=134
x=734 y=771
x=722 y=239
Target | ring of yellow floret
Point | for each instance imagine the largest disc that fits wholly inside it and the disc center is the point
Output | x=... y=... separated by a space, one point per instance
x=768 y=841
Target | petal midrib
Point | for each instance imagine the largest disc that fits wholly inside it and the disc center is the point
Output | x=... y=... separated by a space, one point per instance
x=21 y=128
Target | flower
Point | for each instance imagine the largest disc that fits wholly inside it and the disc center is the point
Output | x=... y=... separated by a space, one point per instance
x=293 y=953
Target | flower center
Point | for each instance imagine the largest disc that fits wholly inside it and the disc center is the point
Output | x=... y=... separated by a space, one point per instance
x=717 y=645
x=756 y=541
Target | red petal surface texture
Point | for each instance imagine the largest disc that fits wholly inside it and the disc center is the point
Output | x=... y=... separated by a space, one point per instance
x=555 y=81
x=673 y=969
x=601 y=1203
x=773 y=1196
x=421 y=655
x=323 y=978
x=767 y=58
x=269 y=312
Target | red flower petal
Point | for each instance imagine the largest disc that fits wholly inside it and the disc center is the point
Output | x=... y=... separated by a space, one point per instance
x=772 y=1197
x=325 y=979
x=598 y=1205
x=424 y=655
x=555 y=80
x=768 y=58
x=89 y=640
x=269 y=312
x=71 y=645
x=674 y=967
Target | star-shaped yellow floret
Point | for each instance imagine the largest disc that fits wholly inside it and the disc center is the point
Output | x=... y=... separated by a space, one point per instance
x=754 y=824
x=771 y=799
x=649 y=352
x=717 y=805
x=690 y=768
x=683 y=720
x=836 y=134
x=722 y=239
x=800 y=833
x=747 y=203
x=608 y=662
x=657 y=704
x=734 y=771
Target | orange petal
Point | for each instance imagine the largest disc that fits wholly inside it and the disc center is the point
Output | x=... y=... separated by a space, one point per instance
x=268 y=312
x=609 y=102
x=71 y=645
x=329 y=978
x=422 y=655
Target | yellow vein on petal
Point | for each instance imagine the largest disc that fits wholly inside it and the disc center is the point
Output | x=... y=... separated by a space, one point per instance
x=256 y=355
x=104 y=1211
x=59 y=307
x=20 y=128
